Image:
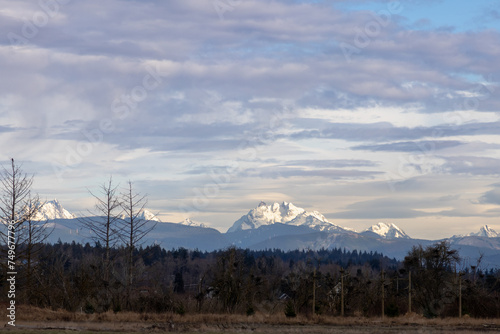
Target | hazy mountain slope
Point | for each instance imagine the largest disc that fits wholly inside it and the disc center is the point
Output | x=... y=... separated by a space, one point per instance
x=173 y=235
x=168 y=235
x=249 y=238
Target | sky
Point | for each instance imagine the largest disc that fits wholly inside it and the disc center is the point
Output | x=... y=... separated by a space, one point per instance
x=365 y=111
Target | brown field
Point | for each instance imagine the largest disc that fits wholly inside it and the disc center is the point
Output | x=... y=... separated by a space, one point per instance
x=30 y=319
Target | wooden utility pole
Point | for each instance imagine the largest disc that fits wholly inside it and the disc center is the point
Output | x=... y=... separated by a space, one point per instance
x=459 y=294
x=409 y=292
x=314 y=293
x=342 y=291
x=382 y=275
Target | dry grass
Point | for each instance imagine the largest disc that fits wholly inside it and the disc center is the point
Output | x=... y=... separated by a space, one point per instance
x=132 y=322
x=30 y=313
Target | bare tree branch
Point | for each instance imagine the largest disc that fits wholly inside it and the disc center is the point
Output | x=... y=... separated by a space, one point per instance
x=104 y=226
x=19 y=207
x=134 y=228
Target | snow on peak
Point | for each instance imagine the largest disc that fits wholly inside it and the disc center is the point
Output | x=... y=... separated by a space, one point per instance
x=284 y=213
x=148 y=215
x=486 y=231
x=388 y=231
x=144 y=215
x=189 y=222
x=52 y=210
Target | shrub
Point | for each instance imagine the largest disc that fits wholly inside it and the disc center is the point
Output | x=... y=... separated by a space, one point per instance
x=250 y=310
x=89 y=308
x=290 y=310
x=392 y=310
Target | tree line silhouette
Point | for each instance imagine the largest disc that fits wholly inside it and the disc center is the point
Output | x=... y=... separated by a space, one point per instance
x=71 y=277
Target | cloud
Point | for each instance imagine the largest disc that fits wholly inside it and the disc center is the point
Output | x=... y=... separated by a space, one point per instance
x=288 y=172
x=334 y=163
x=471 y=165
x=267 y=86
x=6 y=129
x=384 y=131
x=382 y=208
x=417 y=146
x=376 y=213
x=491 y=197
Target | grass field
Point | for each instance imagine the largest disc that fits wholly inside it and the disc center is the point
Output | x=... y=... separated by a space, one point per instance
x=259 y=329
x=31 y=320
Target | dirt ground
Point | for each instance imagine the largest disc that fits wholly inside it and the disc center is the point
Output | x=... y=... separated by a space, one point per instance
x=375 y=327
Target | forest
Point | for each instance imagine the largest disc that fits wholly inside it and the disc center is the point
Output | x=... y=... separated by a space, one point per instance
x=331 y=282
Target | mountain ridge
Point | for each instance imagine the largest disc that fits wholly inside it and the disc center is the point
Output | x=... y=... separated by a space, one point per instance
x=388 y=231
x=52 y=210
x=144 y=215
x=287 y=227
x=484 y=231
x=284 y=213
x=190 y=222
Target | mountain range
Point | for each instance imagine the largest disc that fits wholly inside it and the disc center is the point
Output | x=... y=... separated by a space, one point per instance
x=287 y=227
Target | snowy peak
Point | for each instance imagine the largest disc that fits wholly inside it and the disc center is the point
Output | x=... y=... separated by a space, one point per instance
x=144 y=215
x=189 y=222
x=148 y=215
x=388 y=231
x=485 y=231
x=53 y=210
x=284 y=213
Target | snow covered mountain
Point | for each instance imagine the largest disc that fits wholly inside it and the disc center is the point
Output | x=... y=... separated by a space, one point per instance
x=53 y=210
x=189 y=222
x=284 y=213
x=388 y=231
x=145 y=215
x=486 y=232
x=148 y=215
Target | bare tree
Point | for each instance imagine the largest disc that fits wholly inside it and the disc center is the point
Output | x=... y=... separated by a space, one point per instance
x=104 y=222
x=15 y=186
x=432 y=275
x=135 y=227
x=18 y=207
x=35 y=233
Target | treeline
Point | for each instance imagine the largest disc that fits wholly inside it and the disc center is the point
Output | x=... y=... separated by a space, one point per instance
x=72 y=277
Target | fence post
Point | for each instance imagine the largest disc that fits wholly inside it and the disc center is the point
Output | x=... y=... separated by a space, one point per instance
x=459 y=294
